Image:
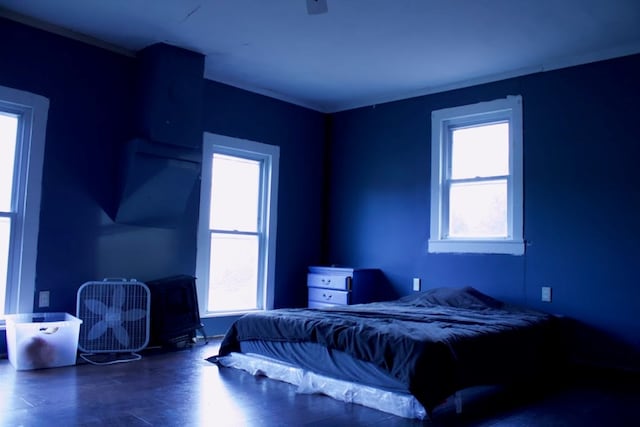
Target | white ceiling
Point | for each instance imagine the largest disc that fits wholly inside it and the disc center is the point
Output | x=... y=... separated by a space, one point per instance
x=361 y=52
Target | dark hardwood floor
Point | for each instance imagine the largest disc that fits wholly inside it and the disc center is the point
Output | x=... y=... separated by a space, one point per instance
x=180 y=388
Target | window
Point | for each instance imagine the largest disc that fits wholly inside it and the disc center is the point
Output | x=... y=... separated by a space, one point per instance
x=23 y=120
x=237 y=231
x=476 y=178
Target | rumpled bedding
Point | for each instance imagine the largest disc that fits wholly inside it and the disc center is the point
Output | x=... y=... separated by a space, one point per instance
x=436 y=342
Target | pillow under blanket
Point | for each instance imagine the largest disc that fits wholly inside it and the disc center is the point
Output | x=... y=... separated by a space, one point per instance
x=466 y=297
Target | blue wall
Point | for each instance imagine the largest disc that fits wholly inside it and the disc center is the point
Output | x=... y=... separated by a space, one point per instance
x=91 y=93
x=89 y=116
x=581 y=146
x=358 y=196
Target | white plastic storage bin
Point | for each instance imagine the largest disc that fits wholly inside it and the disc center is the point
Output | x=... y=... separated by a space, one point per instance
x=42 y=340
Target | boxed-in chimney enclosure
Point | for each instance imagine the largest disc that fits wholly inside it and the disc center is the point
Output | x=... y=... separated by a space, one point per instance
x=160 y=165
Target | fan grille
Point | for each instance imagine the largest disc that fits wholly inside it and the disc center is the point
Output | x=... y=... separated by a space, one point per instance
x=115 y=316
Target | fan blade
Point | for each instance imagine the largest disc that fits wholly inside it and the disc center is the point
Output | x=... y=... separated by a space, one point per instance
x=96 y=306
x=97 y=330
x=121 y=335
x=134 y=314
x=118 y=296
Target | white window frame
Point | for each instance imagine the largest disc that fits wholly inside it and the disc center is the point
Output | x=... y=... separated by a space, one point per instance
x=32 y=111
x=270 y=155
x=442 y=121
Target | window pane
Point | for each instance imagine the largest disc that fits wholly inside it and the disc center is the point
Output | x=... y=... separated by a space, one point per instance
x=233 y=272
x=235 y=192
x=480 y=151
x=8 y=130
x=5 y=229
x=478 y=209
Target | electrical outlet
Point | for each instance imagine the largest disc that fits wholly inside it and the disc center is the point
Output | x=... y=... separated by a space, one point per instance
x=416 y=284
x=546 y=294
x=43 y=299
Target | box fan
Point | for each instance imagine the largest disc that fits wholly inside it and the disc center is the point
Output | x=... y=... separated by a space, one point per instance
x=115 y=320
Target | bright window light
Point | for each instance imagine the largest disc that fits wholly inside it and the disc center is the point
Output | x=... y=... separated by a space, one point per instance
x=23 y=122
x=478 y=181
x=478 y=209
x=5 y=234
x=235 y=203
x=234 y=272
x=8 y=135
x=237 y=230
x=479 y=151
x=8 y=132
x=235 y=193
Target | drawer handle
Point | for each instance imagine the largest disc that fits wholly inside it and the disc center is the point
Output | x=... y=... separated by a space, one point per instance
x=326 y=280
x=326 y=297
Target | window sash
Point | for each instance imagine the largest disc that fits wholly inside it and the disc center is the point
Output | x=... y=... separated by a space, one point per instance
x=257 y=303
x=477 y=233
x=449 y=182
x=449 y=153
x=6 y=234
x=230 y=196
x=226 y=295
x=10 y=156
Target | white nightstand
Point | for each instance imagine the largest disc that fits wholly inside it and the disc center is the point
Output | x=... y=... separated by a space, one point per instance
x=336 y=286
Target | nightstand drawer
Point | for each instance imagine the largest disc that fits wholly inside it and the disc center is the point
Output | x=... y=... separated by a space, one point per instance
x=328 y=296
x=329 y=281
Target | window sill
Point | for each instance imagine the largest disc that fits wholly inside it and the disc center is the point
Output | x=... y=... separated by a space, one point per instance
x=506 y=247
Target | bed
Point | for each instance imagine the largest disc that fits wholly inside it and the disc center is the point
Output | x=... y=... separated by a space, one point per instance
x=412 y=353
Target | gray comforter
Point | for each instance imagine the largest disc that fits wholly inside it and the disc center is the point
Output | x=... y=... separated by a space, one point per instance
x=436 y=342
